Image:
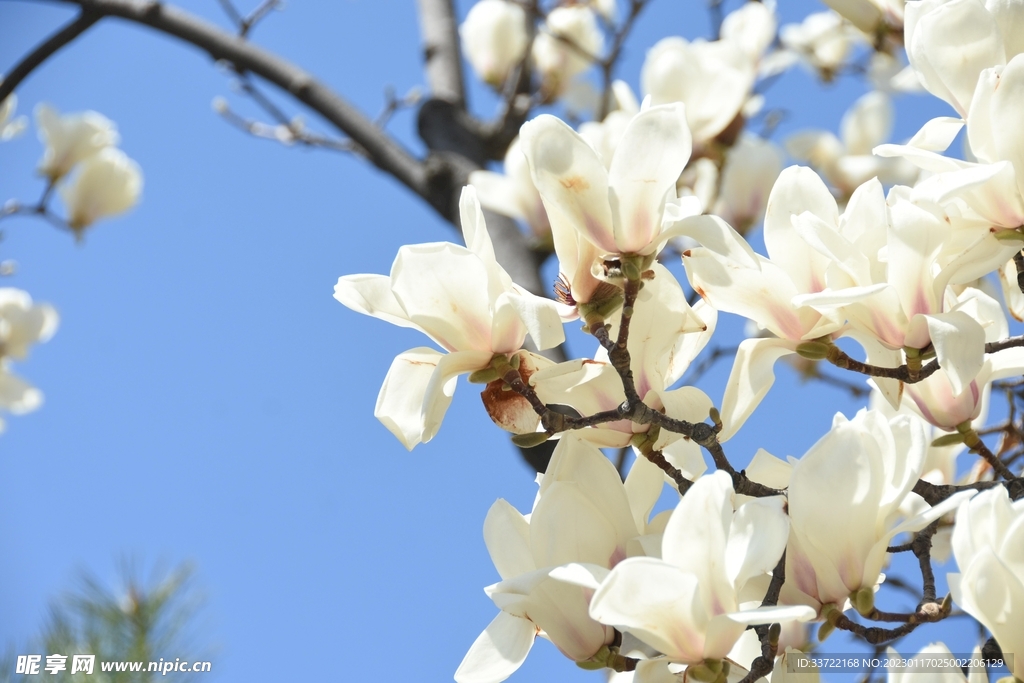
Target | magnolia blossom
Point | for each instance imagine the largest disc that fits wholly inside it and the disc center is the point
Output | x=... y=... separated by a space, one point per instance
x=555 y=61
x=987 y=192
x=823 y=41
x=730 y=276
x=494 y=39
x=947 y=402
x=462 y=299
x=605 y=136
x=844 y=501
x=106 y=184
x=713 y=80
x=686 y=604
x=902 y=302
x=620 y=210
x=848 y=161
x=950 y=42
x=987 y=542
x=513 y=193
x=584 y=522
x=71 y=138
x=751 y=168
x=22 y=324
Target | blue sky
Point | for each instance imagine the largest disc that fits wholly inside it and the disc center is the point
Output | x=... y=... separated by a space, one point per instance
x=208 y=400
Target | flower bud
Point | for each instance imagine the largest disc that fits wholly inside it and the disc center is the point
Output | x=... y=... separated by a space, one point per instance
x=529 y=440
x=813 y=350
x=864 y=601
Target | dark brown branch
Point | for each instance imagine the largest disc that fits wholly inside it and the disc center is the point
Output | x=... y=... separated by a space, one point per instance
x=441 y=54
x=840 y=359
x=382 y=150
x=608 y=64
x=769 y=635
x=1007 y=343
x=934 y=494
x=1018 y=261
x=45 y=50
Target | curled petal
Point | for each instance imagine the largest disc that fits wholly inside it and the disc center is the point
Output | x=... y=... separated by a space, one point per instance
x=498 y=651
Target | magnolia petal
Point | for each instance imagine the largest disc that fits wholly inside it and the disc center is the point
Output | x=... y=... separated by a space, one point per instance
x=797 y=190
x=994 y=595
x=1006 y=100
x=441 y=388
x=773 y=615
x=717 y=236
x=937 y=134
x=507 y=536
x=658 y=603
x=372 y=295
x=959 y=343
x=400 y=401
x=828 y=241
x=923 y=159
x=497 y=652
x=446 y=290
x=648 y=160
x=757 y=538
x=751 y=378
x=541 y=317
x=567 y=527
x=571 y=179
x=643 y=485
x=581 y=574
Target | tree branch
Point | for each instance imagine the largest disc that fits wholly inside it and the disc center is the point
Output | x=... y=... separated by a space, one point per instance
x=45 y=50
x=441 y=55
x=382 y=150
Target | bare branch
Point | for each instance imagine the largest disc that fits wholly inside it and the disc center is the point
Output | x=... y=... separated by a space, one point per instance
x=382 y=150
x=45 y=50
x=441 y=55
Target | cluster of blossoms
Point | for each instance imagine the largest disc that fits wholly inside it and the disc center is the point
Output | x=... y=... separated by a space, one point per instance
x=95 y=179
x=721 y=586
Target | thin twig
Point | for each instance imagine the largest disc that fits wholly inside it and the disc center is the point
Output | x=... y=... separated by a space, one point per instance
x=46 y=49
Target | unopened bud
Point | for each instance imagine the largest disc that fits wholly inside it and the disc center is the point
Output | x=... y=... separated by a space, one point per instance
x=774 y=633
x=716 y=418
x=530 y=440
x=813 y=350
x=864 y=601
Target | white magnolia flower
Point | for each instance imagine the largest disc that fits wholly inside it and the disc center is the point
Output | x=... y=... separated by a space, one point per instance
x=947 y=402
x=844 y=506
x=106 y=184
x=936 y=674
x=584 y=522
x=949 y=43
x=751 y=168
x=513 y=193
x=987 y=542
x=902 y=302
x=988 y=192
x=462 y=299
x=558 y=61
x=824 y=40
x=22 y=324
x=621 y=209
x=848 y=161
x=71 y=138
x=751 y=27
x=686 y=604
x=713 y=80
x=494 y=39
x=731 y=277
